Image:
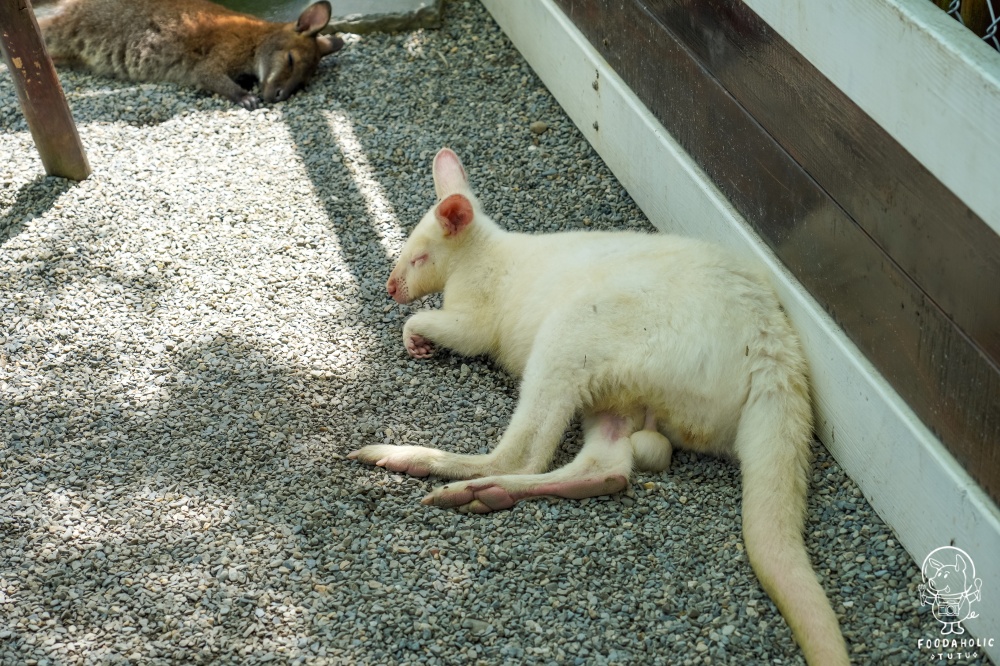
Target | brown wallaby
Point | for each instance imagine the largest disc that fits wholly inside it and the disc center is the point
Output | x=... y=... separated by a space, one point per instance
x=190 y=42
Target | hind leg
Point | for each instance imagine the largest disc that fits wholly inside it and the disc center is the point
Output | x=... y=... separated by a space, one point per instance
x=602 y=467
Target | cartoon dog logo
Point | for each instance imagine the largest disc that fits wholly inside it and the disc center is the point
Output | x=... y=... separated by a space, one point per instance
x=950 y=587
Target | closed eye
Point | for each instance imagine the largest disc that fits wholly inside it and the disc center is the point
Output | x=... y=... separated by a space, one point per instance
x=291 y=60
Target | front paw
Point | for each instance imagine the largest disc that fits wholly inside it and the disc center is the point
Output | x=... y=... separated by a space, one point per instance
x=412 y=460
x=249 y=101
x=418 y=346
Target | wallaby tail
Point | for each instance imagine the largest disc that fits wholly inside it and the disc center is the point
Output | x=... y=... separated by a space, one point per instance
x=772 y=444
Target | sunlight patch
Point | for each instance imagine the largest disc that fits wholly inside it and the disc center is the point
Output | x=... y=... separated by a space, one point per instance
x=383 y=217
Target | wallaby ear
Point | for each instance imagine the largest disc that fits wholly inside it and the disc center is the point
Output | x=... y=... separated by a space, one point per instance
x=329 y=44
x=449 y=174
x=454 y=214
x=314 y=18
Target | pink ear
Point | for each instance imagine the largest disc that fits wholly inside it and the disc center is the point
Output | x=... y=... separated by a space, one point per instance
x=454 y=214
x=449 y=174
x=314 y=18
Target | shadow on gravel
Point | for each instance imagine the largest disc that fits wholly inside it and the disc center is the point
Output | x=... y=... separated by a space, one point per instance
x=32 y=199
x=205 y=504
x=352 y=213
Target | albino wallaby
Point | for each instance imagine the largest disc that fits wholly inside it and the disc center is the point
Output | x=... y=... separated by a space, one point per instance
x=190 y=42
x=658 y=340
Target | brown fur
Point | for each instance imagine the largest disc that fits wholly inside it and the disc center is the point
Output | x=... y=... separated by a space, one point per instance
x=190 y=42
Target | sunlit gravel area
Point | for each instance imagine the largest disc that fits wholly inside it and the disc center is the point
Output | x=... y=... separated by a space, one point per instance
x=193 y=339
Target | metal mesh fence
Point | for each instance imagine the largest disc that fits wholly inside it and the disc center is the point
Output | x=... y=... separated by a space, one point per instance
x=980 y=16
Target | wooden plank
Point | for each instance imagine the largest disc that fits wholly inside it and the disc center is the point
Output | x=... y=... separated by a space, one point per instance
x=950 y=382
x=42 y=100
x=935 y=238
x=900 y=466
x=933 y=85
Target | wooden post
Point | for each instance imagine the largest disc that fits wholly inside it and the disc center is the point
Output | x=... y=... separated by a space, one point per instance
x=42 y=100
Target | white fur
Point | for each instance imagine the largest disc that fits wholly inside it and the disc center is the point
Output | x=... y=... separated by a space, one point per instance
x=656 y=340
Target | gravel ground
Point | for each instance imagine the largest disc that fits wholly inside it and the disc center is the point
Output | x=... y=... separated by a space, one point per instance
x=192 y=340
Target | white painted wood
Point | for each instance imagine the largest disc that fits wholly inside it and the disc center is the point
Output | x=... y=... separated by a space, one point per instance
x=931 y=83
x=904 y=472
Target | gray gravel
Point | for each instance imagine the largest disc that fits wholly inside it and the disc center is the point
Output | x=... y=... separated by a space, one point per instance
x=192 y=340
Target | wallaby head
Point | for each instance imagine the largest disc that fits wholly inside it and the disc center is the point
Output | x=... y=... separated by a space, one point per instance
x=287 y=58
x=422 y=267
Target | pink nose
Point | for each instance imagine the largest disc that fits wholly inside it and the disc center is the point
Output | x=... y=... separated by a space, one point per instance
x=391 y=286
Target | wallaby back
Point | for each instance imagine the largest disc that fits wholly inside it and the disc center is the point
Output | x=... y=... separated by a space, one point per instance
x=190 y=42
